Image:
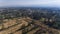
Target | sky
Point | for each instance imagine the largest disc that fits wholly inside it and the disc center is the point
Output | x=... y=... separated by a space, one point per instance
x=49 y=3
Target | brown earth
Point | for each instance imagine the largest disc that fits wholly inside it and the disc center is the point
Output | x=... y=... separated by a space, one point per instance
x=25 y=26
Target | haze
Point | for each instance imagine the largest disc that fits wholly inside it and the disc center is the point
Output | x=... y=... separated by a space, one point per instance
x=49 y=3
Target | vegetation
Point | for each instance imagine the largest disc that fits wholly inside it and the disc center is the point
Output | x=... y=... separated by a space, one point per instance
x=39 y=18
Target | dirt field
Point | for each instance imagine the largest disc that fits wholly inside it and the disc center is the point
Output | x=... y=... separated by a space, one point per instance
x=25 y=26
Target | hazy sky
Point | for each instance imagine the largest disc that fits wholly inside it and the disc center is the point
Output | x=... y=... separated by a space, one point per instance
x=30 y=3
